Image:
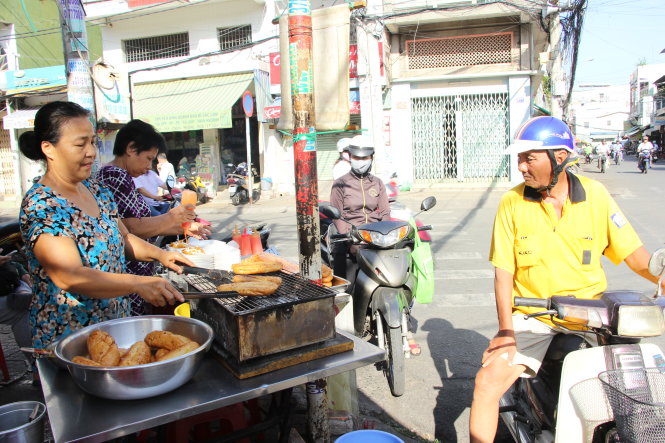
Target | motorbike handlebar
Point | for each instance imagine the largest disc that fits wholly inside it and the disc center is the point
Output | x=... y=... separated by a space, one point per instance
x=534 y=302
x=339 y=236
x=425 y=228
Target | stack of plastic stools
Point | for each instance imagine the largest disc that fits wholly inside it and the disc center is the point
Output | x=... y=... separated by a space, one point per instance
x=214 y=424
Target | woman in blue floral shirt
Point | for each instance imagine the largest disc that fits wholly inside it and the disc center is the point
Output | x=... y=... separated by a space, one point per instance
x=75 y=242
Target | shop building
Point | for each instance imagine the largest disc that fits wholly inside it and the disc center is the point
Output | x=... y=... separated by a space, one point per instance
x=598 y=111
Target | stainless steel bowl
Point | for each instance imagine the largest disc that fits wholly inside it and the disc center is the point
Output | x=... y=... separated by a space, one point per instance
x=133 y=382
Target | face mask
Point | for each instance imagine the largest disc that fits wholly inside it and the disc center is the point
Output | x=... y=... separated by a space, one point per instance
x=360 y=167
x=345 y=156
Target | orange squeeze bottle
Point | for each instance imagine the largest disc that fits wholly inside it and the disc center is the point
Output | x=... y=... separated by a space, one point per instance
x=188 y=197
x=245 y=243
x=235 y=235
x=257 y=247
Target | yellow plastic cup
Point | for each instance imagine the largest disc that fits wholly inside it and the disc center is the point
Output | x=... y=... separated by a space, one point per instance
x=182 y=310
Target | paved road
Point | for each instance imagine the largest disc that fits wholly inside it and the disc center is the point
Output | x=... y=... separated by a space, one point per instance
x=455 y=329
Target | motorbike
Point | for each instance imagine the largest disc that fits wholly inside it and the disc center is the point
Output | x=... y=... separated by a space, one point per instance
x=602 y=162
x=574 y=396
x=386 y=277
x=617 y=156
x=643 y=159
x=238 y=186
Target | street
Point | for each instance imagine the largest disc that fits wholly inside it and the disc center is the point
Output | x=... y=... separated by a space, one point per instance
x=455 y=328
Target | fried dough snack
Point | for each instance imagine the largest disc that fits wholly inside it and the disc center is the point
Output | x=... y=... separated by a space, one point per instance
x=326 y=272
x=165 y=340
x=102 y=348
x=79 y=360
x=182 y=350
x=160 y=353
x=138 y=354
x=249 y=278
x=259 y=288
x=256 y=268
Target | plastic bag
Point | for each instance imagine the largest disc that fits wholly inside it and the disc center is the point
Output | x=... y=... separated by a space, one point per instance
x=423 y=269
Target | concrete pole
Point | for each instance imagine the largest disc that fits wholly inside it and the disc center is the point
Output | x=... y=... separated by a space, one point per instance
x=77 y=63
x=250 y=177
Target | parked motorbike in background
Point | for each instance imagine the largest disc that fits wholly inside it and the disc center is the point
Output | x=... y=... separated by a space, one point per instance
x=643 y=159
x=609 y=392
x=386 y=277
x=238 y=185
x=188 y=178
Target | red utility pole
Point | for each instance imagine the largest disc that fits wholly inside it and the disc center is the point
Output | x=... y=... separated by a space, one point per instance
x=304 y=138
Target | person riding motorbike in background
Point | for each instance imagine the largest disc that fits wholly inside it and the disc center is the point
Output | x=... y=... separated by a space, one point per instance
x=549 y=234
x=343 y=163
x=603 y=151
x=645 y=148
x=361 y=198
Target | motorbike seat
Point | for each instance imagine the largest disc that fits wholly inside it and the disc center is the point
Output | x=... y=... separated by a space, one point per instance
x=546 y=384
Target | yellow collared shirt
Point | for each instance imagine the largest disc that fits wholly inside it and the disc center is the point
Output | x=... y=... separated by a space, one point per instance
x=550 y=256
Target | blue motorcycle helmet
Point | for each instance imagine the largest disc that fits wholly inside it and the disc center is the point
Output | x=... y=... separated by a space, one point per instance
x=547 y=134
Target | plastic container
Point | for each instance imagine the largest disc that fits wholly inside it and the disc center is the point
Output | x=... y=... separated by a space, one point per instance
x=369 y=436
x=235 y=235
x=14 y=424
x=182 y=310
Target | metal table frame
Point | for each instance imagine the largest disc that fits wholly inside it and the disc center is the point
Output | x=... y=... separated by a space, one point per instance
x=78 y=416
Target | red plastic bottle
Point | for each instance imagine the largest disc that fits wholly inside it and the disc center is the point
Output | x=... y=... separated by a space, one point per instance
x=245 y=243
x=257 y=247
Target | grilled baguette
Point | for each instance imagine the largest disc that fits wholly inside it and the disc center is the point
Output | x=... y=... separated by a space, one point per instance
x=182 y=350
x=256 y=268
x=250 y=278
x=138 y=354
x=258 y=288
x=165 y=340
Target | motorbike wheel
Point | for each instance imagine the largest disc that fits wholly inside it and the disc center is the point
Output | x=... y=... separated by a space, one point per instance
x=235 y=199
x=394 y=360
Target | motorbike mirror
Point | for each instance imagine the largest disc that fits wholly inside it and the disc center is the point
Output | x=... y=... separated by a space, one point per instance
x=657 y=262
x=330 y=212
x=428 y=203
x=170 y=181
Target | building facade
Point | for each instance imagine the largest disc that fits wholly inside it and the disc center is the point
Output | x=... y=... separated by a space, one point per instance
x=598 y=111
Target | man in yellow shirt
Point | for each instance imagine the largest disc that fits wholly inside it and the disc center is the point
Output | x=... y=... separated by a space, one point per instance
x=549 y=233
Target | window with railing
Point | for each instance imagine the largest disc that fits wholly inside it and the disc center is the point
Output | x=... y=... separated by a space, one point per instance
x=483 y=49
x=154 y=48
x=234 y=36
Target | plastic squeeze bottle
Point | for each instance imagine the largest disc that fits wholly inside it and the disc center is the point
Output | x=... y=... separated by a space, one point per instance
x=257 y=247
x=188 y=197
x=235 y=235
x=245 y=243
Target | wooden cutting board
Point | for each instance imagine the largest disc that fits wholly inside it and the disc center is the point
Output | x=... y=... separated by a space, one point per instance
x=263 y=365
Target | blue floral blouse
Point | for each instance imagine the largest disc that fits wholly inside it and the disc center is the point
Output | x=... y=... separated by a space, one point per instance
x=54 y=312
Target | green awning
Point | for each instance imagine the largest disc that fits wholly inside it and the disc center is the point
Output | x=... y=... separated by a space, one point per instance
x=191 y=103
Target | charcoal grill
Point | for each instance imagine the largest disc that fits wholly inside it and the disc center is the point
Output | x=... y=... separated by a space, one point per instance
x=298 y=314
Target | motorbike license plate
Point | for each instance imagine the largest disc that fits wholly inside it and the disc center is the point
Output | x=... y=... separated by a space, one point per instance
x=232 y=188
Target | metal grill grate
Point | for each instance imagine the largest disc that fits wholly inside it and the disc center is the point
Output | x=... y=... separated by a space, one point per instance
x=445 y=52
x=234 y=36
x=294 y=289
x=153 y=48
x=460 y=138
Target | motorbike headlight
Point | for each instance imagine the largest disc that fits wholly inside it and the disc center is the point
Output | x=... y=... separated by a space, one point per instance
x=640 y=321
x=384 y=240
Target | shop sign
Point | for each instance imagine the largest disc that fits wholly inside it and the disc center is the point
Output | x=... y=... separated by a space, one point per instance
x=36 y=78
x=190 y=121
x=275 y=76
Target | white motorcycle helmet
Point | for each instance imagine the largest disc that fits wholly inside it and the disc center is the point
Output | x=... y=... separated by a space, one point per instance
x=343 y=144
x=361 y=146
